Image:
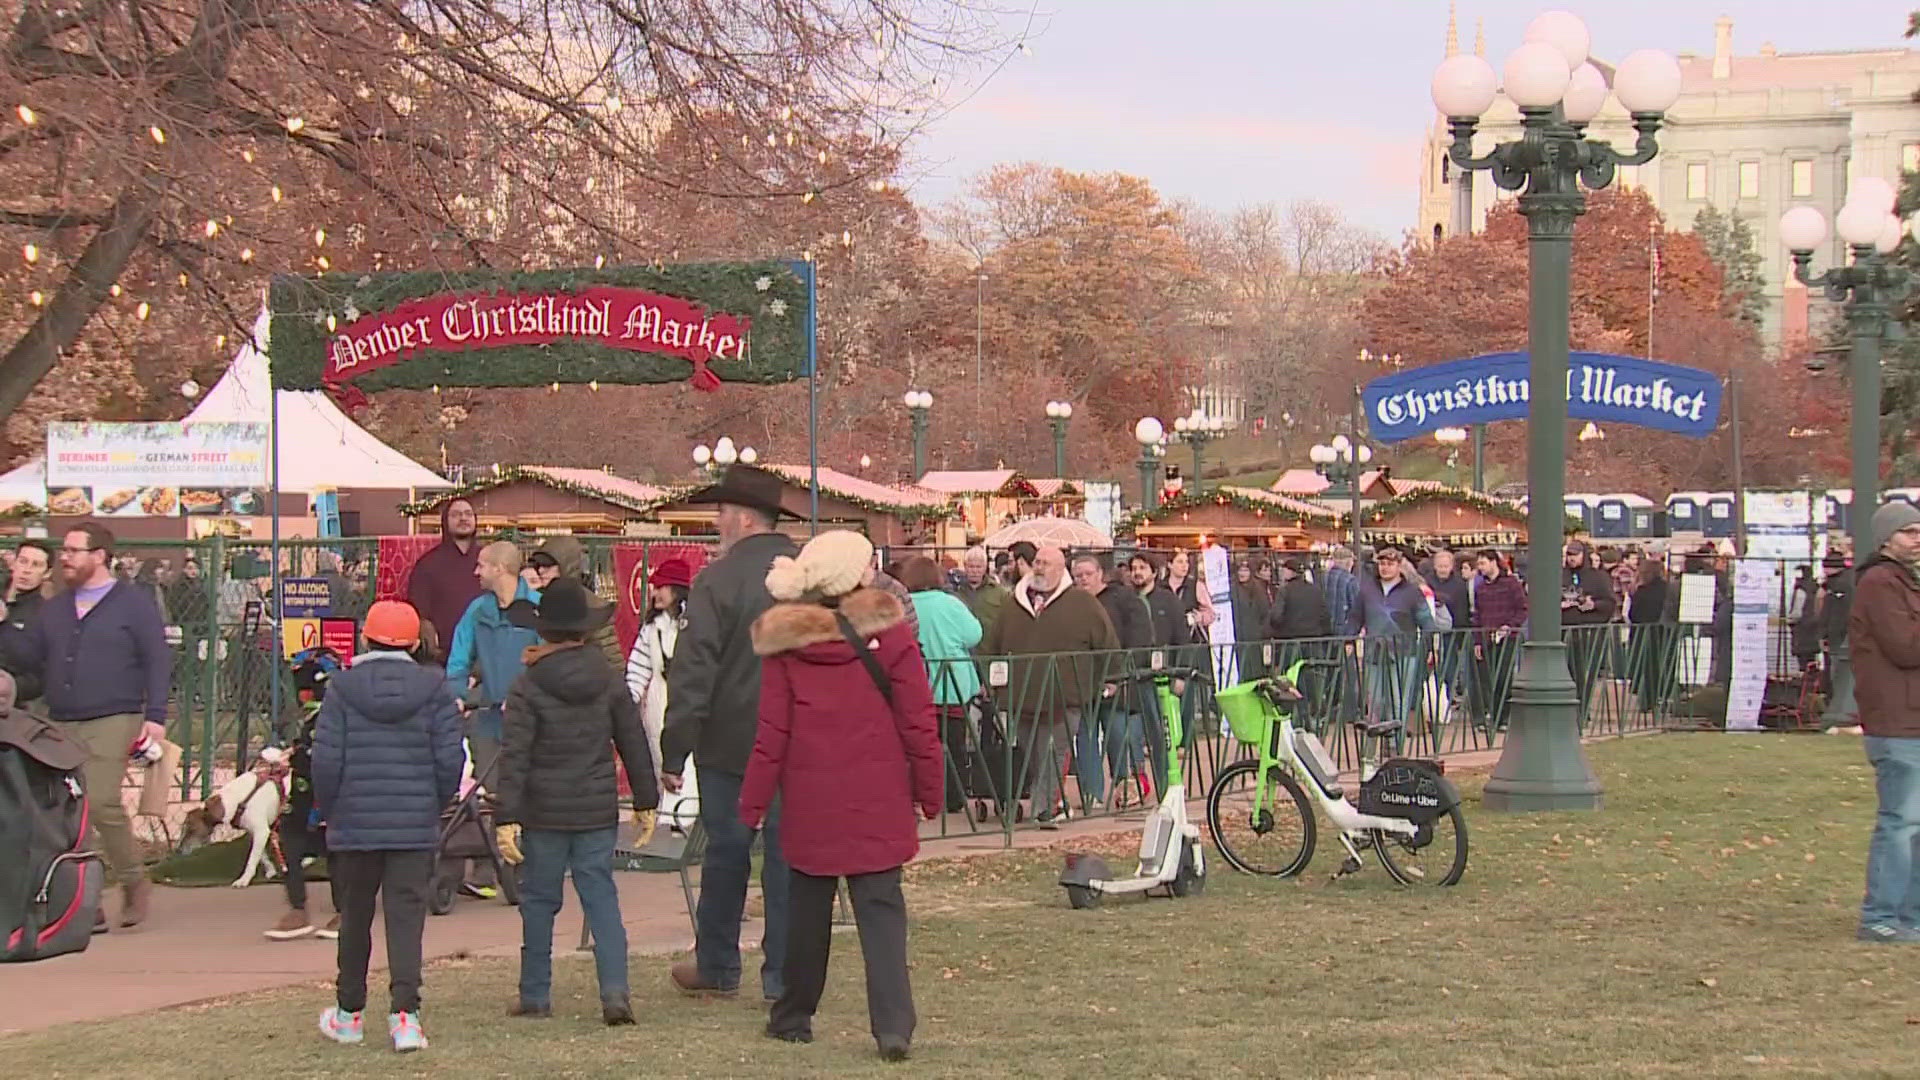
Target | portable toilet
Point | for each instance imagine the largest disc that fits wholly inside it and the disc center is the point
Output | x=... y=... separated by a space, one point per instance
x=1910 y=496
x=1717 y=523
x=1582 y=508
x=1614 y=516
x=1840 y=510
x=1686 y=513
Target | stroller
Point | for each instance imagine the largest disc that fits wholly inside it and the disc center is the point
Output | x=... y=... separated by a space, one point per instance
x=466 y=832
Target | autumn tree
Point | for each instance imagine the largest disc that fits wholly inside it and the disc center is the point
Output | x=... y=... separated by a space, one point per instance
x=160 y=159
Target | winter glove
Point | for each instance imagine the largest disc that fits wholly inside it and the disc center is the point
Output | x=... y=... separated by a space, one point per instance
x=508 y=839
x=644 y=821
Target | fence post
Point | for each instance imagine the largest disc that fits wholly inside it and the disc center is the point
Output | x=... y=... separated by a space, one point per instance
x=213 y=569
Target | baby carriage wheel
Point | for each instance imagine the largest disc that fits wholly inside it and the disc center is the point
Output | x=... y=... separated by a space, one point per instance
x=445 y=887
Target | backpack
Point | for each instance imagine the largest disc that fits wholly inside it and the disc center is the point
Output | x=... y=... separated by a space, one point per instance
x=50 y=883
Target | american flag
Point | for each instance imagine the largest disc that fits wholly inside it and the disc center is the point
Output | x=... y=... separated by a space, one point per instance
x=1653 y=243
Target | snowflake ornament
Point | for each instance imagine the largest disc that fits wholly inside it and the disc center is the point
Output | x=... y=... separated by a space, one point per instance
x=777 y=308
x=763 y=283
x=351 y=312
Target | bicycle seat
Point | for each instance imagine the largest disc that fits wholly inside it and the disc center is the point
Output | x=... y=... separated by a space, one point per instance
x=1380 y=729
x=1280 y=692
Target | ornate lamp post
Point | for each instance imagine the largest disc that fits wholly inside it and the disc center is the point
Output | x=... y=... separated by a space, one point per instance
x=1870 y=288
x=1452 y=438
x=1340 y=461
x=919 y=405
x=1543 y=766
x=721 y=454
x=1148 y=433
x=1197 y=429
x=1058 y=413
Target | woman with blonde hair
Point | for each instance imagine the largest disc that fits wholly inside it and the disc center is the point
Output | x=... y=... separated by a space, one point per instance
x=847 y=743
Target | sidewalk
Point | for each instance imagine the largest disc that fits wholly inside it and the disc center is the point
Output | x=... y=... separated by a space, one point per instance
x=204 y=944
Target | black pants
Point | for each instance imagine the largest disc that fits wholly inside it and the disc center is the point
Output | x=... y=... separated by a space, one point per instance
x=296 y=845
x=880 y=911
x=401 y=879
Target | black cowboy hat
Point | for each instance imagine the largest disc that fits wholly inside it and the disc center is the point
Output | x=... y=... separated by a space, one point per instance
x=744 y=485
x=564 y=607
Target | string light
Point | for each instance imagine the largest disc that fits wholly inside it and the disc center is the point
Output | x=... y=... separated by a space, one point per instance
x=219 y=341
x=613 y=104
x=157 y=135
x=183 y=279
x=806 y=198
x=114 y=289
x=27 y=116
x=594 y=385
x=786 y=113
x=246 y=156
x=275 y=193
x=213 y=228
x=554 y=388
x=592 y=182
x=823 y=157
x=31 y=252
x=599 y=261
x=846 y=238
x=319 y=238
x=772 y=139
x=37 y=298
x=294 y=124
x=246 y=255
x=332 y=323
x=145 y=309
x=322 y=263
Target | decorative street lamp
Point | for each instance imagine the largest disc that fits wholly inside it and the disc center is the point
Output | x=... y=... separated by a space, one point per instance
x=1340 y=461
x=919 y=404
x=1543 y=766
x=1058 y=413
x=1197 y=429
x=1452 y=438
x=1870 y=289
x=1148 y=433
x=721 y=454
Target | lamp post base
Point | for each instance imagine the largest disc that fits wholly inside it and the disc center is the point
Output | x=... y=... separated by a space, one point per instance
x=1543 y=766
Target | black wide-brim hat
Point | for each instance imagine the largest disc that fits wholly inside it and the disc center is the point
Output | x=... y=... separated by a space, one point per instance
x=565 y=607
x=744 y=485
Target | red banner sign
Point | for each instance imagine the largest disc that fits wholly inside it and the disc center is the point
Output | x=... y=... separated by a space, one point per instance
x=632 y=563
x=621 y=318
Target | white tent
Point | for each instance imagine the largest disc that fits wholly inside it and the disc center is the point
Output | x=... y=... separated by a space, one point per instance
x=320 y=448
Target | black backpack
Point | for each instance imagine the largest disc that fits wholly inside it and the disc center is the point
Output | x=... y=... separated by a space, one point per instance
x=50 y=883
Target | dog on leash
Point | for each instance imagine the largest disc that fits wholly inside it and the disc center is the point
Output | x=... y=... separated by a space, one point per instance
x=249 y=802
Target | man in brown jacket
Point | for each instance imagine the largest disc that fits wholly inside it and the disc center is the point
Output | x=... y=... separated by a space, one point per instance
x=1884 y=628
x=1047 y=615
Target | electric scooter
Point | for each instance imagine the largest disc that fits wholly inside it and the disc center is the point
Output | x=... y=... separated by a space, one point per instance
x=1171 y=854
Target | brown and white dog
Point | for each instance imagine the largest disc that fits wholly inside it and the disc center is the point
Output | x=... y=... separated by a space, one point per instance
x=249 y=802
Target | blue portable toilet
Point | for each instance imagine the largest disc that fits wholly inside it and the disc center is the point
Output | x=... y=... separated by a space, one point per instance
x=1622 y=516
x=1717 y=522
x=1910 y=496
x=1583 y=508
x=1840 y=510
x=1686 y=513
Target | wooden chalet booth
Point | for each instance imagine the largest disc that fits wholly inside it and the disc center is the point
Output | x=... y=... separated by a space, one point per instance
x=551 y=499
x=988 y=500
x=1234 y=517
x=889 y=516
x=1431 y=516
x=1054 y=497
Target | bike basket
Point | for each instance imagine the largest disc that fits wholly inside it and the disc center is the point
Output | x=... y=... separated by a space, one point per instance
x=1408 y=788
x=1249 y=716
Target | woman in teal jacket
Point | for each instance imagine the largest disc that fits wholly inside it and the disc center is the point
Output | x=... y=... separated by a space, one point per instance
x=948 y=633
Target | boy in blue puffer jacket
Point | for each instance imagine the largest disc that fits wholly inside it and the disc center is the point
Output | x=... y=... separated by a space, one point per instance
x=387 y=756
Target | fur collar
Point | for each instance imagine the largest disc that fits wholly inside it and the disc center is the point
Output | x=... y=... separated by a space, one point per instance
x=1021 y=596
x=786 y=627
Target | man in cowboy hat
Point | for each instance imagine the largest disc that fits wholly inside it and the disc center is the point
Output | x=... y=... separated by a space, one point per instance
x=558 y=793
x=713 y=709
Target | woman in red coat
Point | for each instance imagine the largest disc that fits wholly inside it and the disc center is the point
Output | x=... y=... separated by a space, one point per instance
x=847 y=742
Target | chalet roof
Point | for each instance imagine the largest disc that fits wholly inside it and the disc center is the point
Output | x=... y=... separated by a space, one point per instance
x=978 y=482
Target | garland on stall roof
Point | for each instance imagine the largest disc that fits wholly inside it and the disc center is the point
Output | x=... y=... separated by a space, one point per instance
x=514 y=473
x=1187 y=500
x=917 y=514
x=770 y=293
x=1496 y=508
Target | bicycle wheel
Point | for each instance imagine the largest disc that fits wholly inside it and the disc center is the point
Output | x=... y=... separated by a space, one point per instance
x=1276 y=842
x=1436 y=855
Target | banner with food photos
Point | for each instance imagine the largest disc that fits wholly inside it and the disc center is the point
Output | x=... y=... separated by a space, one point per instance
x=168 y=469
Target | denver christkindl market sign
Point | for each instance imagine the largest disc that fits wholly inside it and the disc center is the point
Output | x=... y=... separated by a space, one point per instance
x=1600 y=386
x=705 y=323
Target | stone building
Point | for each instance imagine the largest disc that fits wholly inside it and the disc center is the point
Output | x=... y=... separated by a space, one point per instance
x=1750 y=135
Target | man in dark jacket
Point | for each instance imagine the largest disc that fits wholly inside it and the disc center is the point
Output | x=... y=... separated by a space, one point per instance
x=1251 y=604
x=559 y=812
x=713 y=711
x=1116 y=725
x=1884 y=629
x=18 y=657
x=1300 y=608
x=442 y=584
x=1165 y=631
x=386 y=759
x=1586 y=606
x=1342 y=588
x=101 y=649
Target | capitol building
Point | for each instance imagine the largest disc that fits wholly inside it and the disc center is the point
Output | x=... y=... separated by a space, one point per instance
x=1751 y=135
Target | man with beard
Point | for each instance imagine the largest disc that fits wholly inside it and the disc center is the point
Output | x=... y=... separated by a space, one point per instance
x=442 y=585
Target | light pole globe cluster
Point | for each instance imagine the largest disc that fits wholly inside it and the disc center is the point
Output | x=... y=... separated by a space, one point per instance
x=722 y=454
x=919 y=405
x=1558 y=92
x=1197 y=429
x=1058 y=415
x=1151 y=434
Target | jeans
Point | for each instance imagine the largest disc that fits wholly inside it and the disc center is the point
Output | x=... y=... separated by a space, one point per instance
x=1893 y=871
x=550 y=857
x=400 y=880
x=1089 y=764
x=1126 y=738
x=723 y=888
x=1043 y=742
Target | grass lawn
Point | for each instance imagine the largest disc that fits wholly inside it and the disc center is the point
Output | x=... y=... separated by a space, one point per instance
x=1700 y=926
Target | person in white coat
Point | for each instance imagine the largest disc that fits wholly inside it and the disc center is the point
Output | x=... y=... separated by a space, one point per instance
x=647 y=666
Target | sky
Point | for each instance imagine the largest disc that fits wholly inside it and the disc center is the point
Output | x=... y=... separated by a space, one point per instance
x=1233 y=102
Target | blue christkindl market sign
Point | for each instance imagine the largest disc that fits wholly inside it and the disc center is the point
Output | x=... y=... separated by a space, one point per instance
x=1600 y=386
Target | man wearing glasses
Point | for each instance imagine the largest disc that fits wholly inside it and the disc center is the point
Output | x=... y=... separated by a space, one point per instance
x=102 y=647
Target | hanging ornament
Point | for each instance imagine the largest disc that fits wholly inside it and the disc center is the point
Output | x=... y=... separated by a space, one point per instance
x=31 y=252
x=27 y=116
x=143 y=310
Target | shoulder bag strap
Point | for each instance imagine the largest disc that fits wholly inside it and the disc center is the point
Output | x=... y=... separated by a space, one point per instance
x=872 y=663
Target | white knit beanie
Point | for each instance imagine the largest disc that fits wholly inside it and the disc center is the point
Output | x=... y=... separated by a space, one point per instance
x=832 y=564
